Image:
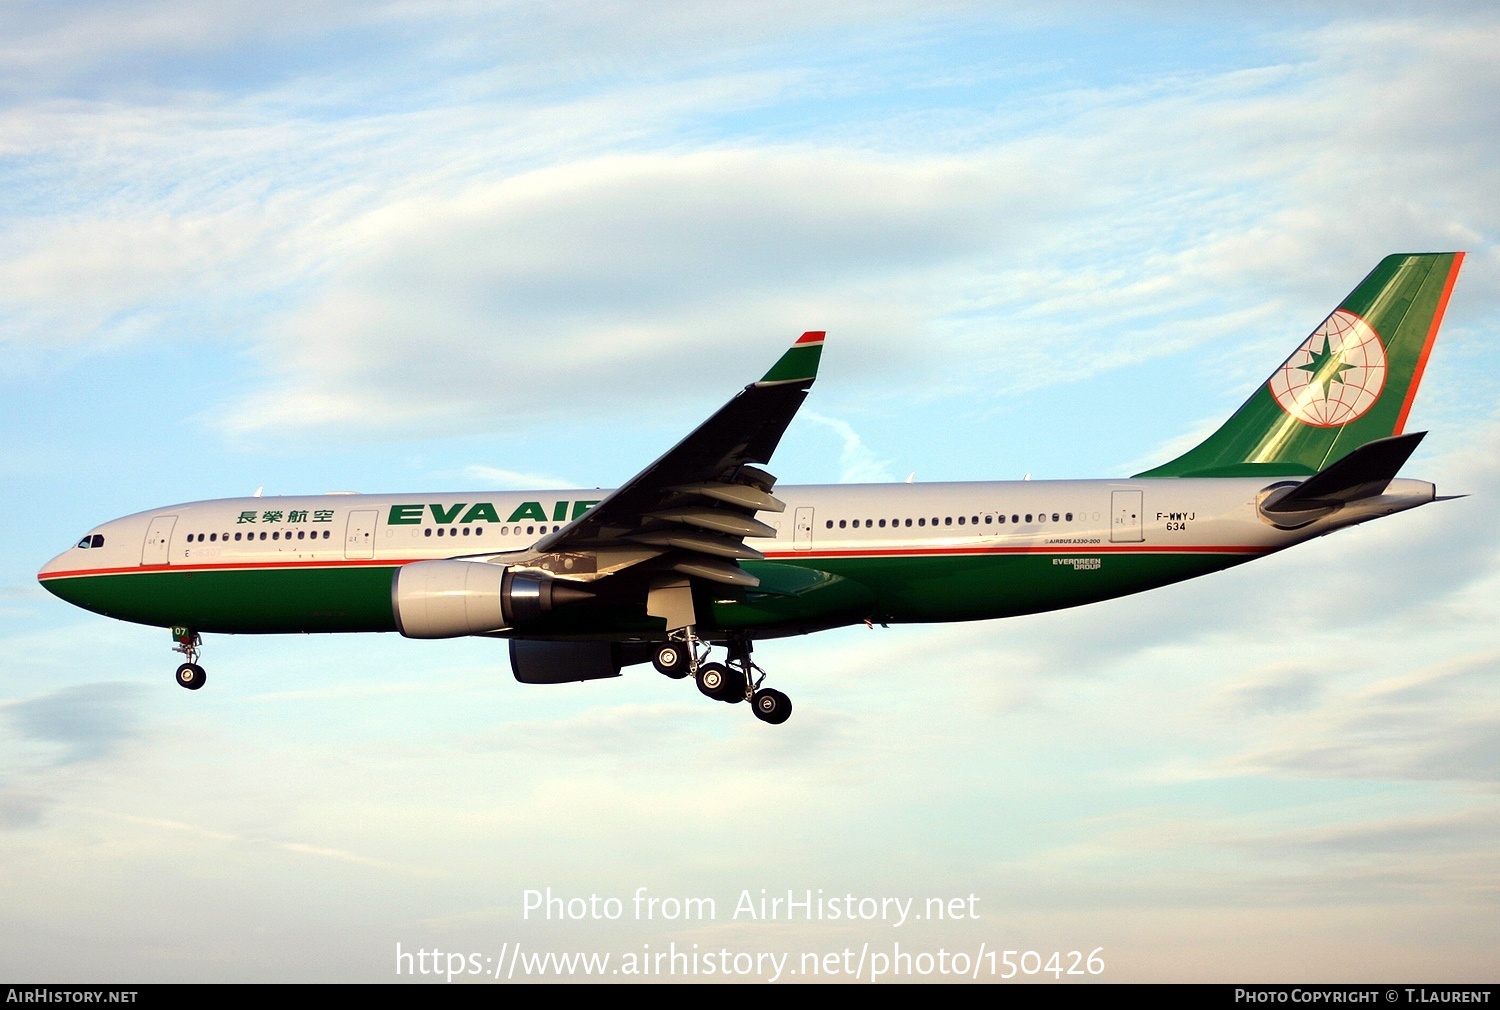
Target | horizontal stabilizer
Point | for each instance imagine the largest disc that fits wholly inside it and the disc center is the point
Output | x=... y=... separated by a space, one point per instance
x=1364 y=473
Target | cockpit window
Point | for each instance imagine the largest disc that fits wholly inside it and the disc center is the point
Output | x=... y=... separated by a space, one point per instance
x=86 y=542
x=97 y=540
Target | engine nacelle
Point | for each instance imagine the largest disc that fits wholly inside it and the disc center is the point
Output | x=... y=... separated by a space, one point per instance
x=449 y=599
x=563 y=662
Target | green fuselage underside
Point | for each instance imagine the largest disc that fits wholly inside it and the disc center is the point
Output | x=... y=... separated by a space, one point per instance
x=796 y=594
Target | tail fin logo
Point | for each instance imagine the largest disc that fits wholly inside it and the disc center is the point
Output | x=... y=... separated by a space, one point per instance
x=1335 y=376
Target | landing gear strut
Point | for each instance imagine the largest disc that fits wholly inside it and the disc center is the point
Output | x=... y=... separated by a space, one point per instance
x=768 y=704
x=189 y=675
x=739 y=679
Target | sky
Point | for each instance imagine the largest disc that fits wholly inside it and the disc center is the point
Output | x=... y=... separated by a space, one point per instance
x=461 y=245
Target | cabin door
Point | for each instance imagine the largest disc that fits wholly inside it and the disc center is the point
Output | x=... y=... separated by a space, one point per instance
x=359 y=537
x=1128 y=527
x=802 y=535
x=156 y=550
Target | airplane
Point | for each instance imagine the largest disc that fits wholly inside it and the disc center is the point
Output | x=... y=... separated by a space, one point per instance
x=696 y=553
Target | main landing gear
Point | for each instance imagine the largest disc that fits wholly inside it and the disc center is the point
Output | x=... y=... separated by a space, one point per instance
x=189 y=675
x=732 y=681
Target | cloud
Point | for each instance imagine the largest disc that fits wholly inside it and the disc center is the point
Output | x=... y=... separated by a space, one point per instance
x=1289 y=688
x=621 y=280
x=54 y=736
x=1042 y=257
x=514 y=480
x=857 y=463
x=88 y=722
x=456 y=262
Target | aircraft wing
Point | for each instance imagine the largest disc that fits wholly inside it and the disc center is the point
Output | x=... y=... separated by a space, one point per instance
x=697 y=503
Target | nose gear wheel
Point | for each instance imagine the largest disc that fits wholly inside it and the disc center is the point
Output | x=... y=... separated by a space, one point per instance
x=189 y=675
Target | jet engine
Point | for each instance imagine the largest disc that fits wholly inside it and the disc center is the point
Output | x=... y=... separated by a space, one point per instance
x=449 y=599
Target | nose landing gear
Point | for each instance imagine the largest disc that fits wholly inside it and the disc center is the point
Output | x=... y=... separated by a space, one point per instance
x=189 y=675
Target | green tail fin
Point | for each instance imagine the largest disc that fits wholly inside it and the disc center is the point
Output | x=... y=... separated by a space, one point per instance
x=1352 y=381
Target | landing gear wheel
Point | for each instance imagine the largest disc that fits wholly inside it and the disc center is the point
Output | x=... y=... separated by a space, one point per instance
x=736 y=686
x=771 y=706
x=191 y=676
x=713 y=680
x=671 y=659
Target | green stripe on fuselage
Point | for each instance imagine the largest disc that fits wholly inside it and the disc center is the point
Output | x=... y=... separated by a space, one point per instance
x=795 y=594
x=243 y=600
x=966 y=587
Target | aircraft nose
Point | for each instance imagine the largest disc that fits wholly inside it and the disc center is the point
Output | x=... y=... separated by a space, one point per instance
x=49 y=571
x=58 y=564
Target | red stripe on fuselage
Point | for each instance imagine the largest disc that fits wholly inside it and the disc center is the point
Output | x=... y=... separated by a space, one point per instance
x=233 y=566
x=793 y=555
x=886 y=552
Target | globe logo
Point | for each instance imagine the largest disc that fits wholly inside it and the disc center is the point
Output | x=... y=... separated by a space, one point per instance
x=1335 y=376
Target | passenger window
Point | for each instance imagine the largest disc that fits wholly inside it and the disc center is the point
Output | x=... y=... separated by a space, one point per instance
x=922 y=521
x=466 y=531
x=948 y=521
x=262 y=534
x=479 y=531
x=212 y=537
x=276 y=535
x=1028 y=517
x=1002 y=520
x=1054 y=517
x=531 y=529
x=238 y=535
x=1070 y=517
x=882 y=524
x=842 y=523
x=427 y=531
x=908 y=522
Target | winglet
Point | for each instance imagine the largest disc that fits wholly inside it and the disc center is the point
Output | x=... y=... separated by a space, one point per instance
x=799 y=364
